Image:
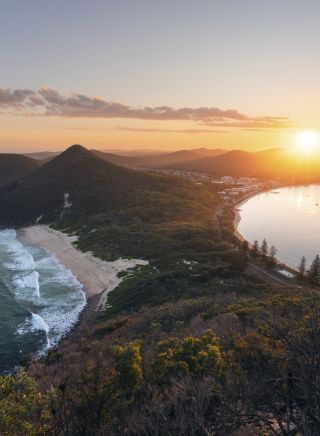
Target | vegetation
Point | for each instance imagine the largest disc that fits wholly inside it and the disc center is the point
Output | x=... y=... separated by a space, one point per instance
x=302 y=268
x=191 y=344
x=258 y=374
x=23 y=409
x=15 y=166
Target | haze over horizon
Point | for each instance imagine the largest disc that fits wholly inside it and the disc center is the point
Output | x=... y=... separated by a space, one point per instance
x=86 y=73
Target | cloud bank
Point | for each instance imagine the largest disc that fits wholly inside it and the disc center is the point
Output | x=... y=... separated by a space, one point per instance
x=49 y=102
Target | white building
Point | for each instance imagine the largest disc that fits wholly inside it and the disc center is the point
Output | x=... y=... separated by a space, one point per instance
x=227 y=179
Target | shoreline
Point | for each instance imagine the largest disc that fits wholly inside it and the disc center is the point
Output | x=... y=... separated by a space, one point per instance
x=237 y=217
x=98 y=277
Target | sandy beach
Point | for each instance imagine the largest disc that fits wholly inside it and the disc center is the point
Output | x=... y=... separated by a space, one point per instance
x=98 y=277
x=237 y=217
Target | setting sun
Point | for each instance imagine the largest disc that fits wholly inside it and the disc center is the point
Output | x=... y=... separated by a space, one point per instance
x=307 y=141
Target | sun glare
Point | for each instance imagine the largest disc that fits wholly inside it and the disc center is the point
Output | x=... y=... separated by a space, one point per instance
x=307 y=141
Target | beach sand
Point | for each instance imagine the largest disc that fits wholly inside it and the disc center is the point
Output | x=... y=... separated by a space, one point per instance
x=237 y=208
x=98 y=277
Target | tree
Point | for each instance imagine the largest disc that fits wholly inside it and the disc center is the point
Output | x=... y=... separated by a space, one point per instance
x=197 y=356
x=272 y=261
x=255 y=249
x=302 y=269
x=264 y=249
x=314 y=272
x=128 y=366
x=23 y=409
x=245 y=246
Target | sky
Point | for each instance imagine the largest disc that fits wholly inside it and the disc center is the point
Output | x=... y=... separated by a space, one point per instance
x=165 y=75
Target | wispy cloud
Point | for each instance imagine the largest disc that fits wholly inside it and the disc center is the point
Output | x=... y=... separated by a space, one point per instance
x=154 y=130
x=49 y=102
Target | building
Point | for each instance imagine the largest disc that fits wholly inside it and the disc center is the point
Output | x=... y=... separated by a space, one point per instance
x=227 y=179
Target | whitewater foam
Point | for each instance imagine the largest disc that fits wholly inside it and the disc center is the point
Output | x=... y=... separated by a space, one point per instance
x=20 y=258
x=35 y=323
x=26 y=285
x=62 y=308
x=49 y=291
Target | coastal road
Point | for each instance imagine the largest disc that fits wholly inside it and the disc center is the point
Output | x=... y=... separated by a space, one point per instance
x=270 y=276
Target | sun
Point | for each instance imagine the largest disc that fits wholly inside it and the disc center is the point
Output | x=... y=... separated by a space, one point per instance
x=307 y=141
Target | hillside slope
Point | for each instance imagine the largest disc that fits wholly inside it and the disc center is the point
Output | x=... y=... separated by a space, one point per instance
x=42 y=155
x=78 y=186
x=15 y=166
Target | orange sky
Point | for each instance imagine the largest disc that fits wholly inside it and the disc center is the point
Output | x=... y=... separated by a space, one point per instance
x=48 y=133
x=164 y=75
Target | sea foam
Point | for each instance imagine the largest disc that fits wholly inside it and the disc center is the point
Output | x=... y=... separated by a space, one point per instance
x=20 y=258
x=33 y=324
x=26 y=285
x=47 y=289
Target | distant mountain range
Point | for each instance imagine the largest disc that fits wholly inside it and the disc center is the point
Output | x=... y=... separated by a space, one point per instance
x=270 y=163
x=159 y=160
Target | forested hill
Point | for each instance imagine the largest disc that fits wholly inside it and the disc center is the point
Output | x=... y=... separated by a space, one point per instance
x=80 y=188
x=15 y=166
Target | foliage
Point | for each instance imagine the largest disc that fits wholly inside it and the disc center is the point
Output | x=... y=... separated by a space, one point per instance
x=255 y=249
x=128 y=366
x=264 y=249
x=314 y=271
x=302 y=269
x=196 y=356
x=23 y=409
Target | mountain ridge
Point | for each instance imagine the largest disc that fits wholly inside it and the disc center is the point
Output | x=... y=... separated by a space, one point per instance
x=15 y=166
x=93 y=186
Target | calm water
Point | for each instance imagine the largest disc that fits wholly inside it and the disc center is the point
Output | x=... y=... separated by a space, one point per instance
x=289 y=219
x=40 y=300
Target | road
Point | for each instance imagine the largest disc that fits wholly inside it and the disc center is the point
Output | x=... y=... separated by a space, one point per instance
x=266 y=275
x=273 y=276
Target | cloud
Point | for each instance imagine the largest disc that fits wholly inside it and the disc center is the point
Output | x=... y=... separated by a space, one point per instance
x=154 y=130
x=15 y=98
x=49 y=102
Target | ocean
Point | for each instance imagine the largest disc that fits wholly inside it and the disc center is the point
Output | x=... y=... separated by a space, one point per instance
x=40 y=301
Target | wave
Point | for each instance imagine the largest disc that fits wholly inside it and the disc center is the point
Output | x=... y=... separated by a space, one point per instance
x=64 y=297
x=49 y=293
x=35 y=323
x=27 y=285
x=54 y=272
x=19 y=258
x=38 y=323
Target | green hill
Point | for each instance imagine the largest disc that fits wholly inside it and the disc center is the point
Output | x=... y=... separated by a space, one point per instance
x=114 y=211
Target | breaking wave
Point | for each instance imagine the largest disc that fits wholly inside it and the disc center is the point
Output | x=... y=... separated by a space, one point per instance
x=50 y=293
